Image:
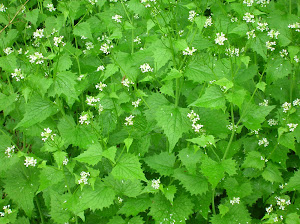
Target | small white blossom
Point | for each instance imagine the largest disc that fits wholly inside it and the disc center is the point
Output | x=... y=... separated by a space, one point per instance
x=50 y=7
x=272 y=122
x=275 y=219
x=235 y=200
x=295 y=26
x=155 y=184
x=283 y=53
x=137 y=40
x=83 y=37
x=90 y=100
x=269 y=209
x=2 y=214
x=36 y=58
x=105 y=48
x=146 y=68
x=208 y=22
x=8 y=50
x=248 y=2
x=270 y=44
x=2 y=7
x=84 y=177
x=9 y=151
x=100 y=86
x=89 y=45
x=65 y=161
x=80 y=77
x=17 y=75
x=265 y=103
x=120 y=200
x=189 y=51
x=233 y=52
x=30 y=161
x=129 y=120
x=136 y=103
x=180 y=33
x=282 y=186
x=230 y=126
x=286 y=107
x=20 y=51
x=47 y=134
x=264 y=142
x=126 y=83
x=85 y=117
x=93 y=2
x=296 y=59
x=262 y=158
x=38 y=34
x=58 y=40
x=251 y=34
x=262 y=26
x=234 y=19
x=273 y=34
x=292 y=126
x=296 y=102
x=197 y=127
x=282 y=202
x=192 y=15
x=193 y=116
x=255 y=131
x=220 y=38
x=117 y=18
x=100 y=108
x=7 y=210
x=263 y=3
x=248 y=17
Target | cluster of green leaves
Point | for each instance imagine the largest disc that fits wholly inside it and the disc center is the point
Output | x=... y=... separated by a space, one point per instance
x=91 y=165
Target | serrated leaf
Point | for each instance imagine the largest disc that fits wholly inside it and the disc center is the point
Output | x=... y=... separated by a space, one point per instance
x=92 y=155
x=83 y=29
x=292 y=218
x=64 y=63
x=59 y=157
x=116 y=220
x=198 y=73
x=235 y=188
x=294 y=182
x=36 y=111
x=212 y=98
x=203 y=140
x=50 y=176
x=287 y=140
x=32 y=16
x=133 y=206
x=271 y=173
x=136 y=220
x=169 y=192
x=229 y=166
x=168 y=89
x=278 y=69
x=128 y=167
x=58 y=213
x=110 y=153
x=161 y=54
x=195 y=184
x=212 y=170
x=189 y=159
x=253 y=160
x=163 y=163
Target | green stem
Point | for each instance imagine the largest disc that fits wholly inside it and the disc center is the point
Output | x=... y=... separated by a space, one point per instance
x=39 y=208
x=213 y=201
x=177 y=92
x=232 y=133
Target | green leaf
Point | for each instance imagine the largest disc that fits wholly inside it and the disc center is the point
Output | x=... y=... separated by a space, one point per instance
x=237 y=97
x=189 y=159
x=136 y=220
x=129 y=168
x=253 y=160
x=203 y=140
x=32 y=16
x=261 y=86
x=83 y=29
x=278 y=69
x=20 y=185
x=198 y=73
x=7 y=103
x=294 y=182
x=229 y=166
x=161 y=54
x=162 y=163
x=128 y=142
x=213 y=170
x=235 y=188
x=169 y=192
x=195 y=184
x=36 y=111
x=292 y=218
x=174 y=122
x=58 y=212
x=212 y=98
x=161 y=208
x=110 y=153
x=49 y=176
x=64 y=63
x=116 y=220
x=92 y=155
x=168 y=89
x=133 y=206
x=271 y=173
x=287 y=140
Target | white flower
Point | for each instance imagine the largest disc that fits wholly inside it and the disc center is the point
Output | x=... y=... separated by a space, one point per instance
x=20 y=51
x=189 y=51
x=155 y=184
x=292 y=126
x=248 y=17
x=193 y=116
x=100 y=108
x=129 y=120
x=180 y=33
x=58 y=40
x=30 y=161
x=295 y=26
x=282 y=202
x=17 y=75
x=83 y=37
x=36 y=58
x=50 y=7
x=286 y=107
x=9 y=151
x=65 y=161
x=100 y=68
x=2 y=214
x=273 y=34
x=8 y=50
x=264 y=142
x=262 y=26
x=282 y=186
x=80 y=77
x=255 y=131
x=272 y=122
x=235 y=200
x=126 y=83
x=38 y=34
x=248 y=2
x=269 y=45
x=85 y=117
x=100 y=86
x=93 y=2
x=283 y=53
x=275 y=219
x=251 y=34
x=230 y=126
x=265 y=103
x=296 y=102
x=105 y=48
x=120 y=200
x=262 y=158
x=233 y=52
x=220 y=38
x=47 y=134
x=137 y=40
x=146 y=68
x=7 y=210
x=192 y=15
x=296 y=59
x=117 y=18
x=269 y=209
x=234 y=19
x=263 y=3
x=208 y=22
x=84 y=177
x=197 y=127
x=90 y=100
x=89 y=45
x=136 y=103
x=2 y=7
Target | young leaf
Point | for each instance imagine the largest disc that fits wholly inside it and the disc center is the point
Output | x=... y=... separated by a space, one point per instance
x=162 y=163
x=50 y=176
x=294 y=182
x=189 y=159
x=213 y=170
x=92 y=155
x=133 y=206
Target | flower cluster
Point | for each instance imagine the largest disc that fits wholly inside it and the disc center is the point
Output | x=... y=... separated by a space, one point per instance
x=7 y=210
x=220 y=38
x=84 y=177
x=194 y=118
x=263 y=3
x=265 y=103
x=129 y=120
x=231 y=126
x=283 y=53
x=155 y=184
x=270 y=44
x=100 y=86
x=50 y=7
x=65 y=161
x=2 y=7
x=93 y=2
x=105 y=48
x=9 y=151
x=100 y=68
x=189 y=51
x=47 y=134
x=296 y=102
x=58 y=40
x=85 y=117
x=36 y=58
x=251 y=34
x=248 y=2
x=17 y=75
x=264 y=159
x=286 y=107
x=272 y=122
x=235 y=200
x=273 y=34
x=264 y=142
x=262 y=26
x=137 y=40
x=248 y=17
x=126 y=82
x=90 y=100
x=120 y=200
x=282 y=202
x=146 y=68
x=147 y=5
x=295 y=26
x=233 y=52
x=8 y=50
x=30 y=161
x=117 y=18
x=38 y=34
x=136 y=103
x=292 y=126
x=192 y=15
x=208 y=22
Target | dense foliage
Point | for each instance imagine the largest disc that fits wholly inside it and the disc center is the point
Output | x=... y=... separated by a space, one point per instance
x=149 y=111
